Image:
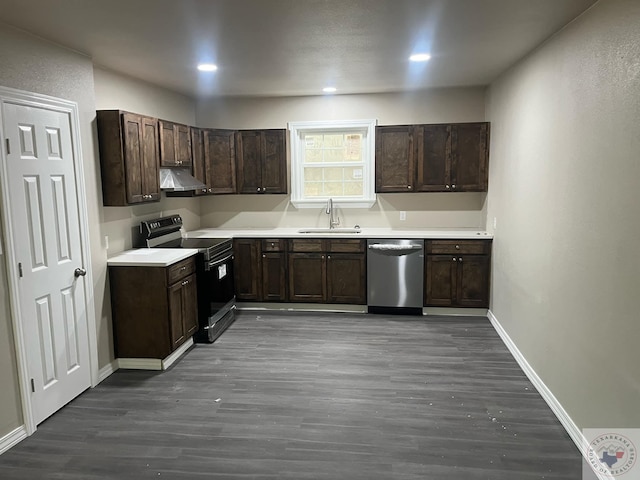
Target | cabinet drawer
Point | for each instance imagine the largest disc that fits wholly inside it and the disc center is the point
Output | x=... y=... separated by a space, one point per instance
x=181 y=269
x=273 y=245
x=474 y=247
x=306 y=245
x=346 y=246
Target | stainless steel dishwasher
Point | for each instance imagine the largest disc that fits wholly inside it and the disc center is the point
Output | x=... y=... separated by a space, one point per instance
x=395 y=276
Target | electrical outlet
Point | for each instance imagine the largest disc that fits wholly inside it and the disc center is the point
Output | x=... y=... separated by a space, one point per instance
x=106 y=242
x=495 y=222
x=403 y=215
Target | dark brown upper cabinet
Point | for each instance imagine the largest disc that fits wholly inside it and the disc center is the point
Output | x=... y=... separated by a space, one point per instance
x=452 y=157
x=129 y=158
x=175 y=144
x=395 y=158
x=261 y=161
x=220 y=154
x=432 y=158
x=201 y=167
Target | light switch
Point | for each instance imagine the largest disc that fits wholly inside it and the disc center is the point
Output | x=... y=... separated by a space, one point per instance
x=403 y=215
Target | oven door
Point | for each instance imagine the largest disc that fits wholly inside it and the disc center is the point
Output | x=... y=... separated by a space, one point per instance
x=216 y=297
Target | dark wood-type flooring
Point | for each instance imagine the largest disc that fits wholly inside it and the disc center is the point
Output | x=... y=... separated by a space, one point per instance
x=313 y=396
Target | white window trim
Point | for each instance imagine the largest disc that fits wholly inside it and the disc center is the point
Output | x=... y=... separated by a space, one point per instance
x=368 y=154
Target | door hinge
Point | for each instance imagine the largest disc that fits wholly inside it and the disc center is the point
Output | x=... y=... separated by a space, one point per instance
x=6 y=141
x=20 y=269
x=33 y=386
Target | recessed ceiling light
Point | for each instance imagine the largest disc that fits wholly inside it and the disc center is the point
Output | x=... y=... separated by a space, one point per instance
x=420 y=57
x=329 y=89
x=207 y=67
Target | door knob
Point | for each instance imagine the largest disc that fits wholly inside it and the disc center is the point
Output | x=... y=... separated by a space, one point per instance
x=79 y=272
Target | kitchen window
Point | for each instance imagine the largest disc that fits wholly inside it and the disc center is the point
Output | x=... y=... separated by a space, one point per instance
x=333 y=159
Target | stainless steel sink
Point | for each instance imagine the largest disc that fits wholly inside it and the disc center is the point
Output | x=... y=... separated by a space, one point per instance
x=340 y=231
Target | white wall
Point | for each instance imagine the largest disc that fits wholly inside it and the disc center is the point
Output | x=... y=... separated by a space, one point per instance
x=564 y=189
x=424 y=210
x=33 y=65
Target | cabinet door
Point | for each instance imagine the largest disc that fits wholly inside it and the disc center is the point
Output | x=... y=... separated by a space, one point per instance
x=274 y=277
x=346 y=278
x=133 y=157
x=470 y=155
x=176 y=326
x=175 y=144
x=167 y=144
x=307 y=277
x=189 y=305
x=150 y=159
x=201 y=170
x=183 y=145
x=473 y=281
x=220 y=154
x=274 y=161
x=249 y=161
x=394 y=159
x=247 y=268
x=440 y=282
x=434 y=158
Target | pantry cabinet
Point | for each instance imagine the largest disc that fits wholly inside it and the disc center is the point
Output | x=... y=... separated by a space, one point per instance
x=129 y=158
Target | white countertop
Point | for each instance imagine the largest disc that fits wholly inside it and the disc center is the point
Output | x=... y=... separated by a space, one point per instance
x=459 y=234
x=150 y=257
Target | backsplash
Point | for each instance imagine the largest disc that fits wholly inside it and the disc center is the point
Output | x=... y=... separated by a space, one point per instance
x=423 y=210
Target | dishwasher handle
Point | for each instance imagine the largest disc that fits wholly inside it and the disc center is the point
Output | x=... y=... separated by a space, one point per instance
x=394 y=248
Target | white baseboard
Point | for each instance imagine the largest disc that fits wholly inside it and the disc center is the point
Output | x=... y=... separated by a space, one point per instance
x=107 y=370
x=556 y=407
x=155 y=363
x=12 y=438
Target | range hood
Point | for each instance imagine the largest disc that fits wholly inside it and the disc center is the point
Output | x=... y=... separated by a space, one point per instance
x=179 y=180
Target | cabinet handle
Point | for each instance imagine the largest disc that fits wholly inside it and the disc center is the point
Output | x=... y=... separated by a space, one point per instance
x=457 y=247
x=204 y=190
x=186 y=282
x=409 y=187
x=183 y=268
x=258 y=189
x=453 y=186
x=447 y=187
x=460 y=259
x=322 y=257
x=273 y=244
x=211 y=190
x=264 y=256
x=328 y=256
x=455 y=259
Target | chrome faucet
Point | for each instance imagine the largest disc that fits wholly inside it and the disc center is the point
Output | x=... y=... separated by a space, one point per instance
x=333 y=222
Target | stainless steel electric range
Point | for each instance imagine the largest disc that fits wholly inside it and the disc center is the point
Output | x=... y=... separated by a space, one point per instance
x=214 y=273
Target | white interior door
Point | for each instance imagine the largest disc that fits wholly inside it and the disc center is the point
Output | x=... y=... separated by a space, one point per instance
x=47 y=243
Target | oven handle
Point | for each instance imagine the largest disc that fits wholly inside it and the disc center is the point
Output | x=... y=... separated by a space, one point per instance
x=215 y=263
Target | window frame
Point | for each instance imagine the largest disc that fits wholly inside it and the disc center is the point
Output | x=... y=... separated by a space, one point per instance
x=368 y=129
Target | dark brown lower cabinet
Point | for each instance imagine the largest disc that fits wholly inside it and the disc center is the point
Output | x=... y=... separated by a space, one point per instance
x=307 y=277
x=457 y=273
x=154 y=308
x=346 y=278
x=247 y=269
x=183 y=310
x=274 y=276
x=327 y=271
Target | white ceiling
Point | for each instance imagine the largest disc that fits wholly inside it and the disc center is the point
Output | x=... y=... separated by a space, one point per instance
x=296 y=47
